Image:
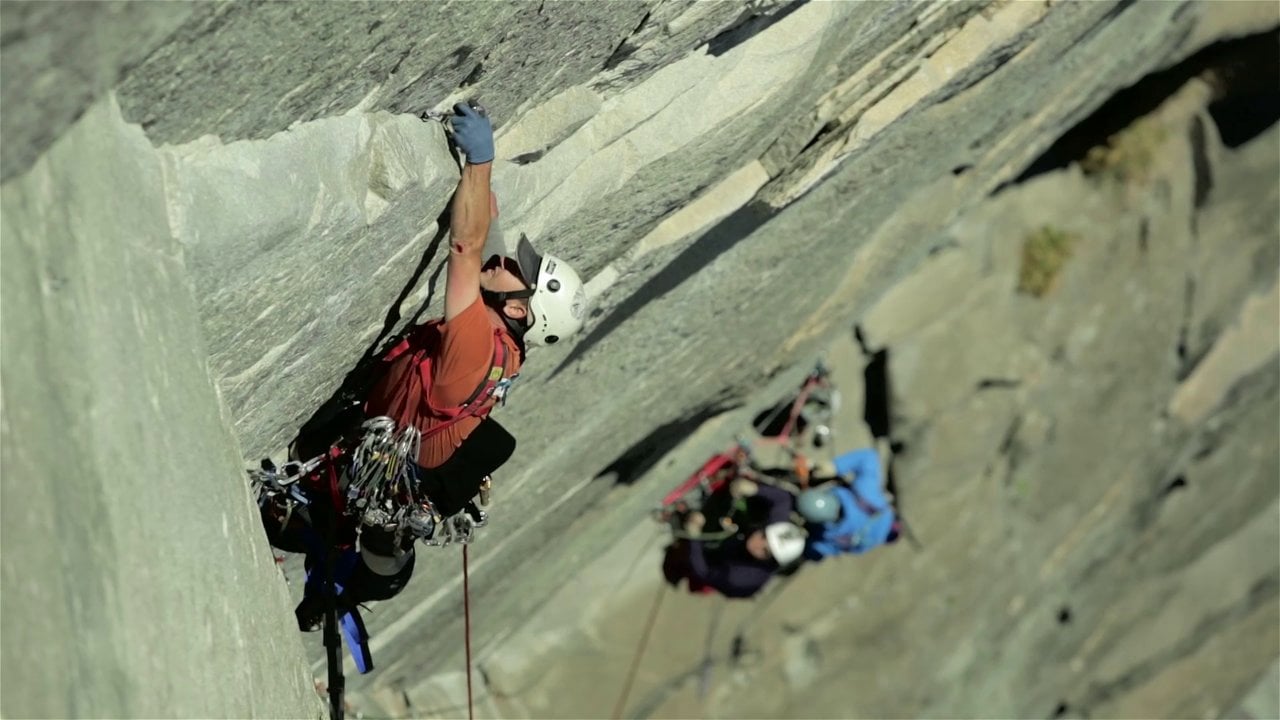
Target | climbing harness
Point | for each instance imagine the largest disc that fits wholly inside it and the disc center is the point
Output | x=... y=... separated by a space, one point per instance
x=379 y=483
x=492 y=390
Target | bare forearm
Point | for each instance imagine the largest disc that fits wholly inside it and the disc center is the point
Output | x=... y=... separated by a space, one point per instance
x=469 y=216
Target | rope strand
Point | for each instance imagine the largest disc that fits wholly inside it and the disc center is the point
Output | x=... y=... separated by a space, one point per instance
x=635 y=662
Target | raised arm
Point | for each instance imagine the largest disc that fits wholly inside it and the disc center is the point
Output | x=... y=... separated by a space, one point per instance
x=470 y=212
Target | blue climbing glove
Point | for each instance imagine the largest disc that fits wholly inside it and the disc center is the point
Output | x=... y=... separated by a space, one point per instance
x=472 y=133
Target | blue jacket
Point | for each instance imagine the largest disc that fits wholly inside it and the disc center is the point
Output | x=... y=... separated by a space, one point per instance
x=866 y=515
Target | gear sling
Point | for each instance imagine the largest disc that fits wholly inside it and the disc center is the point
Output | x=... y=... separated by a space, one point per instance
x=452 y=484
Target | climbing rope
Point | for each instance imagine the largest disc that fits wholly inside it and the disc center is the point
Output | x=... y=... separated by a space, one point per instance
x=332 y=643
x=635 y=661
x=708 y=663
x=466 y=614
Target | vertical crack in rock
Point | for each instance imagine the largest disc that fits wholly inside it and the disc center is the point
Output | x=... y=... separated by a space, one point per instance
x=796 y=153
x=992 y=61
x=1187 y=363
x=878 y=409
x=1011 y=449
x=1202 y=170
x=1116 y=10
x=321 y=428
x=1210 y=436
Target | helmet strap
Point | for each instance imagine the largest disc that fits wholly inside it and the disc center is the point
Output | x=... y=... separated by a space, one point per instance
x=502 y=297
x=498 y=301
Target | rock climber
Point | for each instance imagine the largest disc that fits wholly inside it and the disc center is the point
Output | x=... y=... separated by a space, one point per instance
x=739 y=566
x=851 y=513
x=443 y=381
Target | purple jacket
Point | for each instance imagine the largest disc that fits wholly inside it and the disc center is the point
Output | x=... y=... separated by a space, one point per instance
x=732 y=570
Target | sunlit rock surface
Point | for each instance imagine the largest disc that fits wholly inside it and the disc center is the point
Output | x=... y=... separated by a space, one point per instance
x=136 y=581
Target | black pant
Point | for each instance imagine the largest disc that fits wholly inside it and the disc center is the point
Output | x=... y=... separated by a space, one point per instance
x=456 y=481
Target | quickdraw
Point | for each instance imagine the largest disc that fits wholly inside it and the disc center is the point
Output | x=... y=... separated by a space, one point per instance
x=377 y=485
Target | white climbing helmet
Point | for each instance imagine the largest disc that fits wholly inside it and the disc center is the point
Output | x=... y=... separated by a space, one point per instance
x=558 y=305
x=785 y=541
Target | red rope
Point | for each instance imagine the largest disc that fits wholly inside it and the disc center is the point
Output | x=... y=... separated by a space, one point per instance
x=466 y=611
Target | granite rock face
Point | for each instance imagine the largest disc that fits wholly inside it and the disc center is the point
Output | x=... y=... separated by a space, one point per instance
x=741 y=182
x=136 y=582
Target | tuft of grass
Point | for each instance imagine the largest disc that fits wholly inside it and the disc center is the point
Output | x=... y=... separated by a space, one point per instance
x=1129 y=154
x=1044 y=252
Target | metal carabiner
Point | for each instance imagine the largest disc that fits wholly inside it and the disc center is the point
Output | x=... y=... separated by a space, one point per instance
x=464 y=526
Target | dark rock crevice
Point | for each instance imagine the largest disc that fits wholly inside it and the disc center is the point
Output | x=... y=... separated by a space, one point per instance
x=1202 y=169
x=1246 y=88
x=1187 y=360
x=1232 y=111
x=747 y=26
x=625 y=49
x=322 y=427
x=878 y=411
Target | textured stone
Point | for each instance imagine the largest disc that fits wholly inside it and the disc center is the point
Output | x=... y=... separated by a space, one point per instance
x=60 y=57
x=133 y=553
x=303 y=247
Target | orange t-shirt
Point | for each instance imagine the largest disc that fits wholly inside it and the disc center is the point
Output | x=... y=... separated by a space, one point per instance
x=461 y=352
